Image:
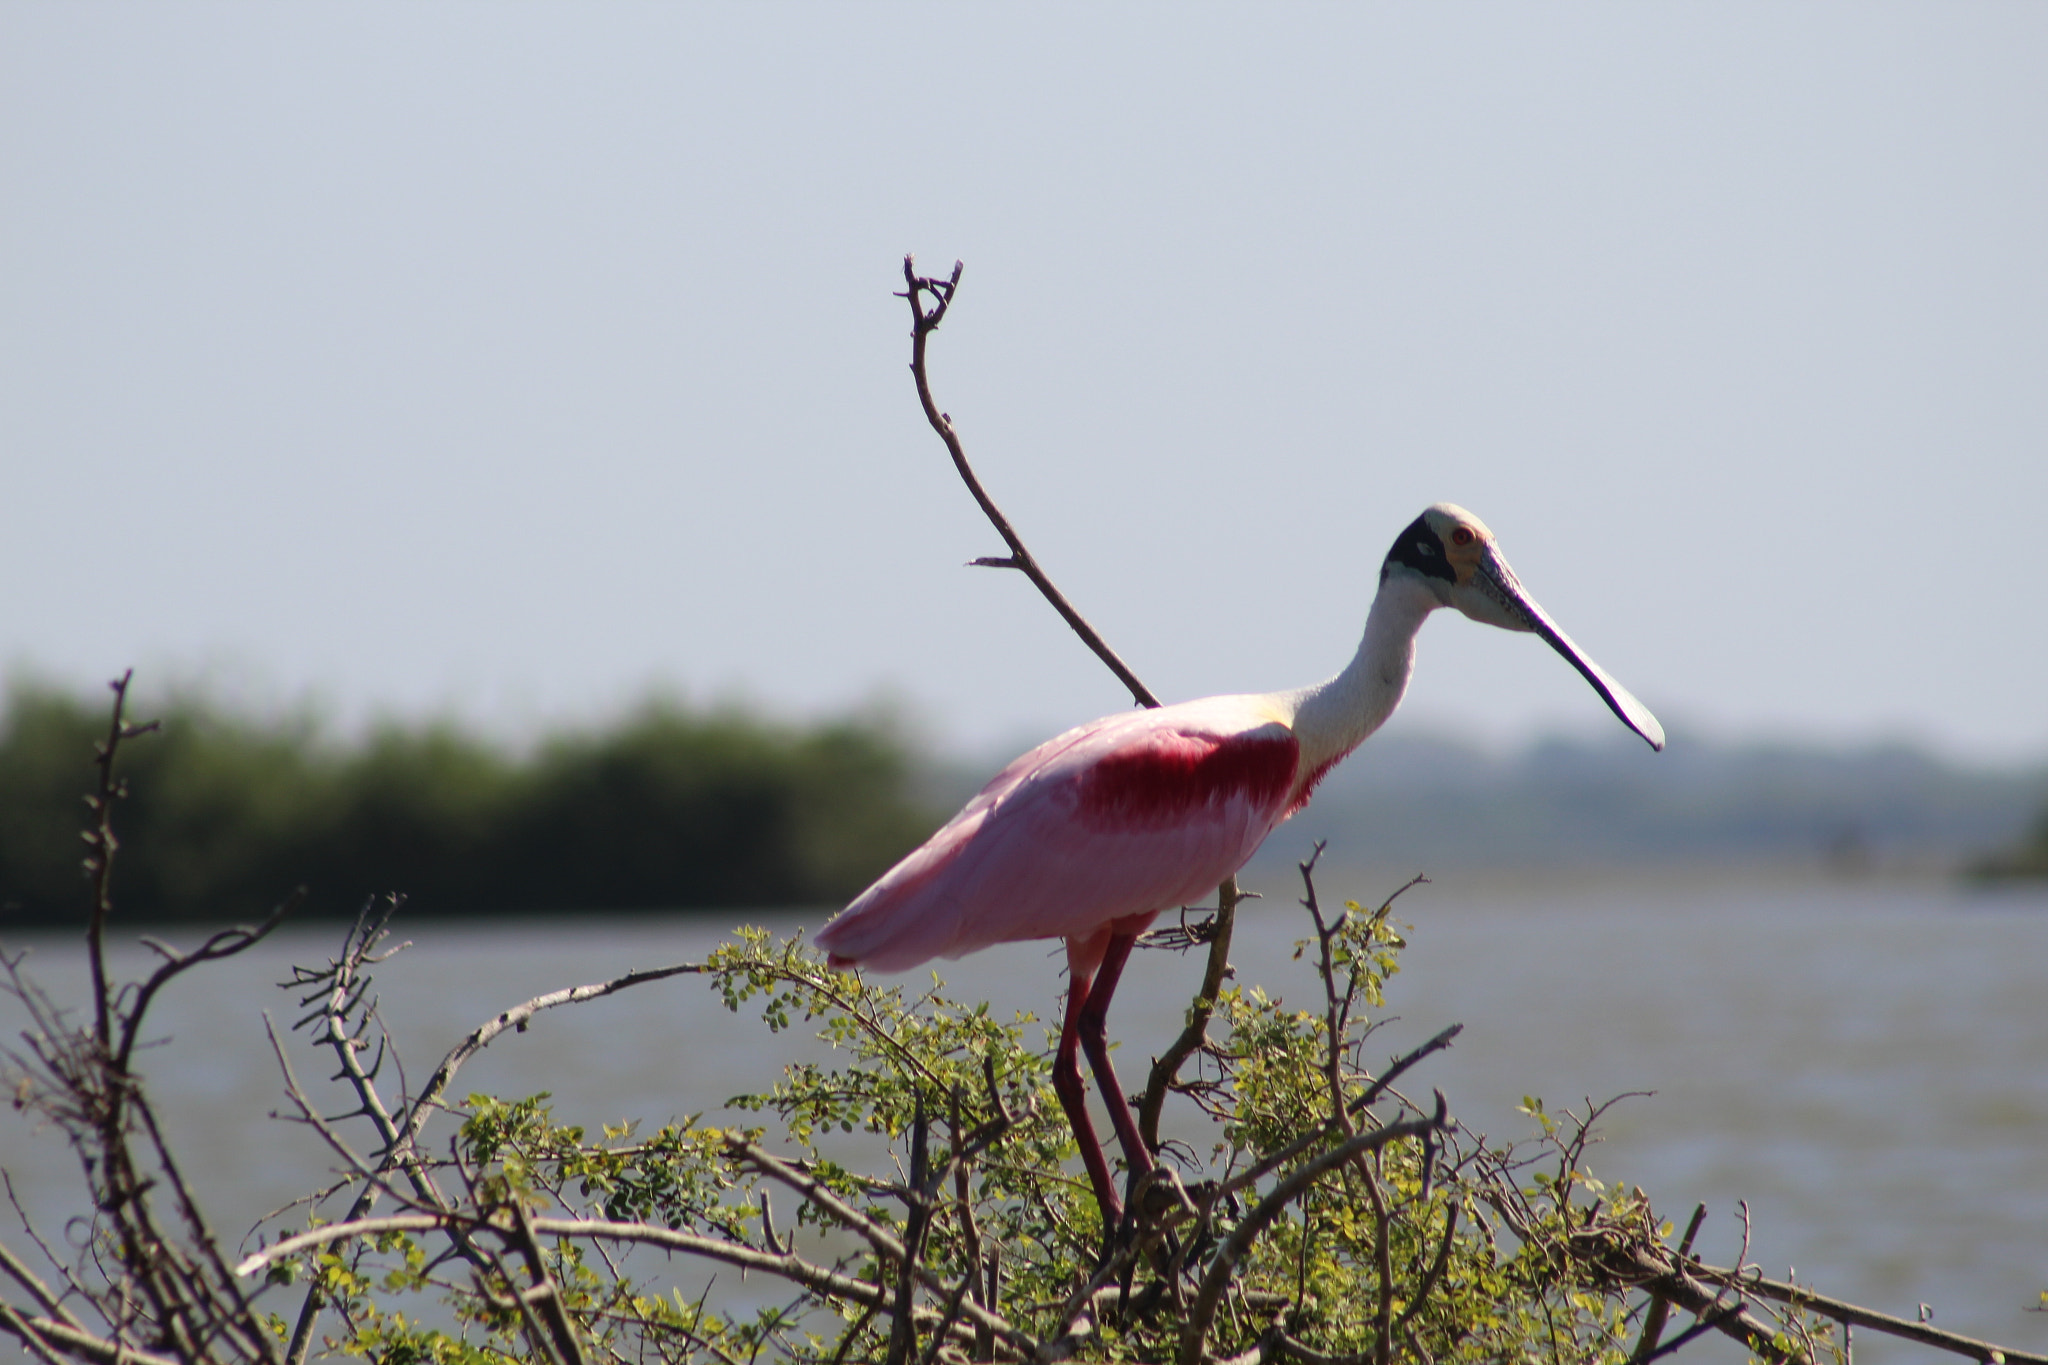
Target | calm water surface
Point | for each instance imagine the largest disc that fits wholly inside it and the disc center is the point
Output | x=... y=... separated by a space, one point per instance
x=1866 y=1065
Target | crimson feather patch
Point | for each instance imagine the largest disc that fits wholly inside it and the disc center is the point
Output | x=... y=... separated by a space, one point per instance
x=1176 y=774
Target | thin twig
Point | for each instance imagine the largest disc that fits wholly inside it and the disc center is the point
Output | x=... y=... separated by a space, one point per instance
x=80 y=1344
x=1436 y=1267
x=1383 y=1264
x=880 y=1238
x=1273 y=1161
x=225 y=944
x=516 y=1018
x=101 y=862
x=923 y=323
x=787 y=1265
x=37 y=1290
x=1166 y=1066
x=1841 y=1310
x=903 y=1331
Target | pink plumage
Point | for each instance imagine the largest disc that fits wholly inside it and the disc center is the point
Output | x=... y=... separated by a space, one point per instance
x=1125 y=816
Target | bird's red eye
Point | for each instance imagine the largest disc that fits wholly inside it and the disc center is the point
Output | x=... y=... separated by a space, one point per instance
x=1462 y=536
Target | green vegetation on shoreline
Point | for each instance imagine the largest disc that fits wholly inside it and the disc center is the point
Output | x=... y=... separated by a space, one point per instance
x=2026 y=858
x=677 y=808
x=668 y=808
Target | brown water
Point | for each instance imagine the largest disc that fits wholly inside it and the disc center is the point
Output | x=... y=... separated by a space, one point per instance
x=1866 y=1065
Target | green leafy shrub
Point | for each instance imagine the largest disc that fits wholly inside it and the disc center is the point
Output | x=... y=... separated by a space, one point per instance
x=1415 y=1247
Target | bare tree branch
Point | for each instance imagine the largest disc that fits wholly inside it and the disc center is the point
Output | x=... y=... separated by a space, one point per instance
x=43 y=1335
x=880 y=1238
x=225 y=944
x=516 y=1018
x=339 y=1232
x=345 y=986
x=1841 y=1310
x=786 y=1264
x=100 y=863
x=37 y=1290
x=924 y=321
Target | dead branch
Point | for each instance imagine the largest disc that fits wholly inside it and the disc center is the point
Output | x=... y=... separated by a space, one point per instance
x=344 y=987
x=1841 y=1310
x=100 y=863
x=176 y=1294
x=358 y=1168
x=46 y=1337
x=925 y=321
x=348 y=986
x=786 y=1264
x=45 y=1299
x=225 y=944
x=339 y=1232
x=880 y=1238
x=516 y=1018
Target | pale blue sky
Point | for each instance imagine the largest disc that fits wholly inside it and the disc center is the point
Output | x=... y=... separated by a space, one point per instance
x=507 y=362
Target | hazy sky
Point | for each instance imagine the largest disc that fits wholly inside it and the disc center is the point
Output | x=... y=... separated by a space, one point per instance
x=509 y=362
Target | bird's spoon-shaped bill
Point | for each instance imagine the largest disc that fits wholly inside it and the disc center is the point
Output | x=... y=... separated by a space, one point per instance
x=1633 y=713
x=1623 y=702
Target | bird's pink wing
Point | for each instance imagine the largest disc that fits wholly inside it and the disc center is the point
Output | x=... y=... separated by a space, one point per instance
x=1126 y=816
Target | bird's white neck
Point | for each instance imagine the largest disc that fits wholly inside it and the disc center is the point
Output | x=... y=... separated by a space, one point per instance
x=1333 y=718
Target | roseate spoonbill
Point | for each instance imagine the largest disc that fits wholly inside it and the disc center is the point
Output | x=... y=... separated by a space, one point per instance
x=1091 y=835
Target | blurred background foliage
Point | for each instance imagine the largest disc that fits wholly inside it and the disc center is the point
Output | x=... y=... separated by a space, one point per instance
x=674 y=807
x=668 y=808
x=2028 y=857
x=1882 y=808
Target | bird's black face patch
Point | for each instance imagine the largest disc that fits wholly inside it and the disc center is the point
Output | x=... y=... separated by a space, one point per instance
x=1419 y=549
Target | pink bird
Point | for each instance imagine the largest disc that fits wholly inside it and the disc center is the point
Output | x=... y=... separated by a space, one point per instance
x=1091 y=835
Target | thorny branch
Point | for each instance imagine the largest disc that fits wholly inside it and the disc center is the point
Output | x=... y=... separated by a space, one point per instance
x=516 y=1019
x=157 y=1291
x=786 y=1264
x=344 y=1015
x=103 y=843
x=1842 y=1311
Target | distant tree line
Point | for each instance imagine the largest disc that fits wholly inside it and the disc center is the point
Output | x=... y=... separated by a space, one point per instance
x=2027 y=858
x=669 y=808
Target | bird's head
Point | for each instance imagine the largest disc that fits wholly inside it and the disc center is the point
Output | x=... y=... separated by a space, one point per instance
x=1451 y=553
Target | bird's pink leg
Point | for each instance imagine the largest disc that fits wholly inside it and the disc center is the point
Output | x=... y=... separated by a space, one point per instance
x=1093 y=1028
x=1066 y=1082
